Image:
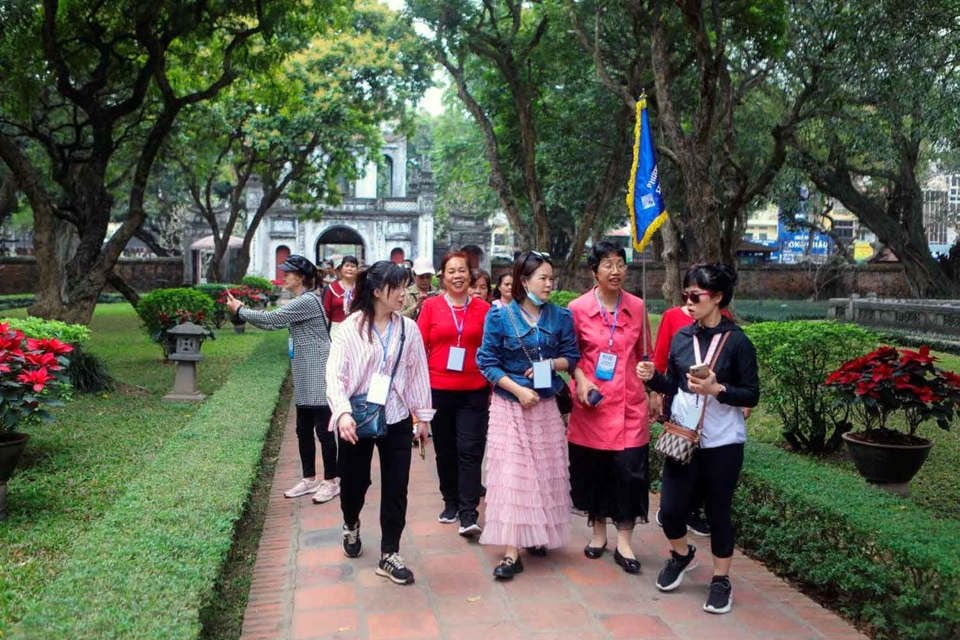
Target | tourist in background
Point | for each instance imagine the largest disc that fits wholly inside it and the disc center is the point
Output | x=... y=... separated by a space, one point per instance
x=371 y=341
x=452 y=329
x=421 y=289
x=609 y=427
x=308 y=347
x=481 y=285
x=730 y=383
x=524 y=345
x=503 y=294
x=338 y=295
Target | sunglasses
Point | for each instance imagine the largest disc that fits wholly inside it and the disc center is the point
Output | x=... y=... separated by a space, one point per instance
x=693 y=296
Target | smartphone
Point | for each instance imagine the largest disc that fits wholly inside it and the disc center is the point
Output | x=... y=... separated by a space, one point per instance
x=699 y=370
x=594 y=397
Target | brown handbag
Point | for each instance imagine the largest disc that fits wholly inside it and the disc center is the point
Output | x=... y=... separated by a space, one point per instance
x=678 y=443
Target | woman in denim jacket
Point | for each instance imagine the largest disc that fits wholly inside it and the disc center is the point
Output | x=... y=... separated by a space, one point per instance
x=524 y=345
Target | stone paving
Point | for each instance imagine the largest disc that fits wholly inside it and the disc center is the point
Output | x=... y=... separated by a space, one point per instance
x=304 y=588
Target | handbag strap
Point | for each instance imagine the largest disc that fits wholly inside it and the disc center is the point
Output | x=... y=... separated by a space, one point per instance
x=713 y=361
x=403 y=335
x=517 y=331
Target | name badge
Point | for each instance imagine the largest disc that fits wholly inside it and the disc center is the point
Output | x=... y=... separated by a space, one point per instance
x=542 y=378
x=455 y=358
x=606 y=364
x=379 y=388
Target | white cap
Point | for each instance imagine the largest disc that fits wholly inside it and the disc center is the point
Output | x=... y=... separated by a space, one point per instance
x=422 y=266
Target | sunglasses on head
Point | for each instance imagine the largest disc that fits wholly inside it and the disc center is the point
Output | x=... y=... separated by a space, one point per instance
x=693 y=296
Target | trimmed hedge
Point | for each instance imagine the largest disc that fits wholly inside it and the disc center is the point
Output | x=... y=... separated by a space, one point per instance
x=150 y=564
x=883 y=563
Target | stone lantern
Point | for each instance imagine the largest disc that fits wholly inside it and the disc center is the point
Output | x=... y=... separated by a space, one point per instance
x=187 y=338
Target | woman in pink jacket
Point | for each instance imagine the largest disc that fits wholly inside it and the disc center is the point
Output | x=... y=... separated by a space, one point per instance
x=609 y=428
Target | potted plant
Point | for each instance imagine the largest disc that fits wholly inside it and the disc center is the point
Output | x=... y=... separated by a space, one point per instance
x=33 y=376
x=249 y=296
x=891 y=392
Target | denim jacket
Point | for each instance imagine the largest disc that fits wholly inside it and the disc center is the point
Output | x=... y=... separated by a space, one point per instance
x=501 y=353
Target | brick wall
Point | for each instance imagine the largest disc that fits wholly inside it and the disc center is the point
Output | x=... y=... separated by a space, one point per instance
x=19 y=274
x=790 y=282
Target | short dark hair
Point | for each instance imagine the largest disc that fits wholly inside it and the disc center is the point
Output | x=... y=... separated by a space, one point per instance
x=714 y=277
x=604 y=249
x=525 y=264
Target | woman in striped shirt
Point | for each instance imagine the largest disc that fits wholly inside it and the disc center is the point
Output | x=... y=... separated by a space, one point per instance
x=371 y=341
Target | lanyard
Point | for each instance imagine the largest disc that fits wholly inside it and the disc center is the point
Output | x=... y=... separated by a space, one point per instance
x=536 y=325
x=606 y=316
x=385 y=344
x=457 y=325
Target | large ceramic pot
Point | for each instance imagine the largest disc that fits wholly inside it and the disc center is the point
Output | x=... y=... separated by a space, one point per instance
x=891 y=466
x=12 y=445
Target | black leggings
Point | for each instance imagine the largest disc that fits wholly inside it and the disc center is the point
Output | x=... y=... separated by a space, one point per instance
x=713 y=474
x=312 y=420
x=459 y=437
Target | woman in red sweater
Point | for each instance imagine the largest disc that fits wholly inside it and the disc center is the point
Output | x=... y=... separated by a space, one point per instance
x=452 y=329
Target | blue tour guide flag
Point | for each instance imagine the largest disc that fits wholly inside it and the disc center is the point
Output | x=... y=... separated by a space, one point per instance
x=644 y=200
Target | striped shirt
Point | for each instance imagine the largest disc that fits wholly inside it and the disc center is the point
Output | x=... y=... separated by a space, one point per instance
x=354 y=358
x=311 y=343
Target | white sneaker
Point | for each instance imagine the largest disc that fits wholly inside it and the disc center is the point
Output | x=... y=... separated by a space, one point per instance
x=302 y=488
x=327 y=491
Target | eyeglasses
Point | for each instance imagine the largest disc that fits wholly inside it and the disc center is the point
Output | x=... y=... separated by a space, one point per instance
x=693 y=296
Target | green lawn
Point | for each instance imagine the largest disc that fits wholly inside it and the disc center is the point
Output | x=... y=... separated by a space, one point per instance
x=75 y=468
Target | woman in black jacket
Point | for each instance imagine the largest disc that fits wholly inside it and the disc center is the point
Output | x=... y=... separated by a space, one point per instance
x=717 y=392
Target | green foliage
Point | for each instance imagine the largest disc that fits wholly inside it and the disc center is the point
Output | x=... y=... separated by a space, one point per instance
x=161 y=309
x=33 y=327
x=260 y=284
x=89 y=372
x=888 y=566
x=562 y=298
x=795 y=358
x=149 y=563
x=763 y=310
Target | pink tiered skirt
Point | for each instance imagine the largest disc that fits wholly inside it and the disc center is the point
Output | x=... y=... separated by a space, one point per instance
x=528 y=476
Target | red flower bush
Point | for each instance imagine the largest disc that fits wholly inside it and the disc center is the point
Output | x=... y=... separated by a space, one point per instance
x=32 y=376
x=879 y=384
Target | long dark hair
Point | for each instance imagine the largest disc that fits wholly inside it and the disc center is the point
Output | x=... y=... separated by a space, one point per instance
x=383 y=274
x=715 y=278
x=525 y=264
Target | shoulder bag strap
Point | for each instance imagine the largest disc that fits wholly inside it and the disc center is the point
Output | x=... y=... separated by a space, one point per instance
x=713 y=361
x=403 y=335
x=509 y=312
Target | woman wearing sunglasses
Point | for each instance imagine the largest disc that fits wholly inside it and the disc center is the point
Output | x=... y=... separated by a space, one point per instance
x=524 y=345
x=712 y=374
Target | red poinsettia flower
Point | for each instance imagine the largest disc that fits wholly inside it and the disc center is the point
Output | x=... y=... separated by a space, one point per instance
x=41 y=359
x=37 y=378
x=50 y=345
x=922 y=357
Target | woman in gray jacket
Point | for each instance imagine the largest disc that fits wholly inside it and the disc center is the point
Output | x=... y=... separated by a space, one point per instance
x=309 y=347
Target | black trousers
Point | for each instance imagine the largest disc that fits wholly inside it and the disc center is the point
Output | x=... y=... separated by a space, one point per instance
x=310 y=420
x=459 y=438
x=394 y=449
x=714 y=474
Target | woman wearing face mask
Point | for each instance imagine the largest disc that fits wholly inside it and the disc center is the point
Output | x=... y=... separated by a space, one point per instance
x=379 y=353
x=715 y=399
x=452 y=328
x=524 y=345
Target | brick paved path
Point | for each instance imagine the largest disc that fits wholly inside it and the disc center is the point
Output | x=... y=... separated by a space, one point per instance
x=305 y=589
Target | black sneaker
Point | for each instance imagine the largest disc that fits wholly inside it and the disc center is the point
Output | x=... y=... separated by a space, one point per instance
x=468 y=524
x=449 y=515
x=352 y=547
x=697 y=524
x=720 y=599
x=392 y=567
x=671 y=575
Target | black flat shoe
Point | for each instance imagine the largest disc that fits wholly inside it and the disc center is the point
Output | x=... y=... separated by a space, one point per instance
x=508 y=568
x=594 y=552
x=630 y=565
x=539 y=551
